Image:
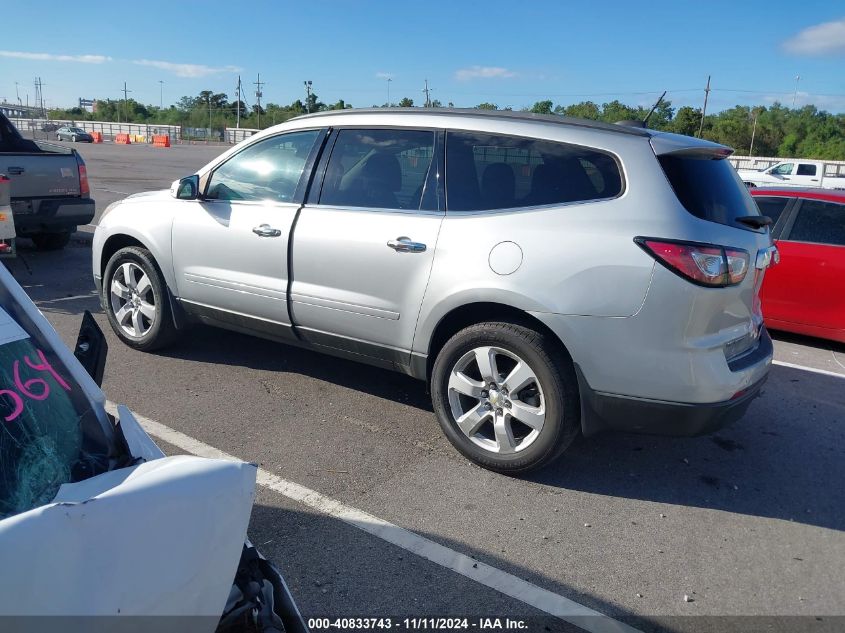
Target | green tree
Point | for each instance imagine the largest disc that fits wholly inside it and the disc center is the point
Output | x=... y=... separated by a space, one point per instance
x=686 y=121
x=486 y=106
x=583 y=110
x=542 y=107
x=406 y=103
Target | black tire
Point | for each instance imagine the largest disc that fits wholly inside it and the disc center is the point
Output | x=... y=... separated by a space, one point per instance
x=51 y=241
x=73 y=139
x=555 y=376
x=162 y=331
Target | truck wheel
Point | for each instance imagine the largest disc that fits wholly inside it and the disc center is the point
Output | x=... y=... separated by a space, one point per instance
x=505 y=396
x=51 y=241
x=136 y=301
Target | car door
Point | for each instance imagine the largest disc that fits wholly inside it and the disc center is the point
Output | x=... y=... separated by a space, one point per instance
x=365 y=240
x=806 y=175
x=782 y=174
x=230 y=247
x=805 y=288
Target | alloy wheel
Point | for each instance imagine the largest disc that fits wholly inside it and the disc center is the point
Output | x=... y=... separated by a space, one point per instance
x=496 y=400
x=132 y=299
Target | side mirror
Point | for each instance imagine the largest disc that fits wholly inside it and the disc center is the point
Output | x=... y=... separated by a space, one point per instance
x=186 y=188
x=91 y=348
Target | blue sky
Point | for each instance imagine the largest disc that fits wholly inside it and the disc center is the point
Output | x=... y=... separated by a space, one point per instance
x=505 y=52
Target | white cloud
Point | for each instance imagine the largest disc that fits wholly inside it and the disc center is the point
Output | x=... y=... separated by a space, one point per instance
x=187 y=70
x=483 y=72
x=383 y=75
x=831 y=103
x=49 y=57
x=827 y=38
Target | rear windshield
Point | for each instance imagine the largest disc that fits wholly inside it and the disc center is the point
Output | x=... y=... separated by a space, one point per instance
x=49 y=432
x=709 y=189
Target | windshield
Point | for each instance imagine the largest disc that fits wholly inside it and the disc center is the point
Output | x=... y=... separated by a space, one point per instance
x=49 y=432
x=77 y=129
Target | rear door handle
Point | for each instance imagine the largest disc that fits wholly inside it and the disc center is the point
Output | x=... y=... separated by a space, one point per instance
x=265 y=230
x=15 y=171
x=405 y=245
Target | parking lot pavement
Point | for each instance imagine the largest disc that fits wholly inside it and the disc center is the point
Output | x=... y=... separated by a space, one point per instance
x=746 y=522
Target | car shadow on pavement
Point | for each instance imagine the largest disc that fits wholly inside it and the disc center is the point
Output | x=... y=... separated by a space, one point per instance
x=211 y=345
x=785 y=459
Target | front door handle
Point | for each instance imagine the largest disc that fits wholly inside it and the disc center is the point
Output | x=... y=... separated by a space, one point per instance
x=265 y=230
x=15 y=171
x=405 y=245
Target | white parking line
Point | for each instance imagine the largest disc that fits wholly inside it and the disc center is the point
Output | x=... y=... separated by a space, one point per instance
x=823 y=372
x=492 y=577
x=92 y=295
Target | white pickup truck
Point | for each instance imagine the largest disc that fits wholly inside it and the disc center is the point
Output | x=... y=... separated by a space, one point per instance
x=795 y=173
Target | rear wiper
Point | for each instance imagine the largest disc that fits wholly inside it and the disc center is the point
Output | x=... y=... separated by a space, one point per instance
x=755 y=221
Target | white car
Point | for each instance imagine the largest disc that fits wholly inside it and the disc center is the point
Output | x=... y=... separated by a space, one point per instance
x=795 y=173
x=98 y=529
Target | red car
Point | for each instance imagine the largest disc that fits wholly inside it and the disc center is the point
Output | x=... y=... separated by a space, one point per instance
x=805 y=293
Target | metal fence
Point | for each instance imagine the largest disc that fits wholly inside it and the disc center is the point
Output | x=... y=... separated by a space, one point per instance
x=831 y=167
x=46 y=129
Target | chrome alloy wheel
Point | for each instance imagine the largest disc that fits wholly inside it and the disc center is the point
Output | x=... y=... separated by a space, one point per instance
x=132 y=299
x=496 y=400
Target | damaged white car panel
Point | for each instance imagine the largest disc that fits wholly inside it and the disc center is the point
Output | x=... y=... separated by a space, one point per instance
x=160 y=538
x=96 y=523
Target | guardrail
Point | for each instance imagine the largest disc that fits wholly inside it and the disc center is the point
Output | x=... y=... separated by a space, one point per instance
x=110 y=130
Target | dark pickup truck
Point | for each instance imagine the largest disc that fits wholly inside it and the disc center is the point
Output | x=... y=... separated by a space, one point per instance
x=50 y=195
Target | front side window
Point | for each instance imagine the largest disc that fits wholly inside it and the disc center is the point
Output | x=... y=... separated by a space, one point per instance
x=819 y=222
x=805 y=169
x=782 y=170
x=267 y=170
x=384 y=169
x=486 y=171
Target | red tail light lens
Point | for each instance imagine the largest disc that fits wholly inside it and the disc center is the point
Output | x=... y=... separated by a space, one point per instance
x=84 y=187
x=703 y=264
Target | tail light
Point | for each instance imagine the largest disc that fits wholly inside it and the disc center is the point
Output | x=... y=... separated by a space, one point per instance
x=84 y=187
x=703 y=264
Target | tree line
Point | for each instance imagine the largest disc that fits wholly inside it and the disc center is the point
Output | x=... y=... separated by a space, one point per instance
x=777 y=130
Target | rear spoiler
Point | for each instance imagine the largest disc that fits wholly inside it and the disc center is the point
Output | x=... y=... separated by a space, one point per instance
x=665 y=144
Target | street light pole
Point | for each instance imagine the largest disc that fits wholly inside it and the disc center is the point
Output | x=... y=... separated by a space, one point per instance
x=307 y=96
x=389 y=79
x=795 y=95
x=160 y=94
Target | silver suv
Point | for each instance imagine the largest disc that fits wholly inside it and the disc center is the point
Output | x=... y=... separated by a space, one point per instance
x=545 y=275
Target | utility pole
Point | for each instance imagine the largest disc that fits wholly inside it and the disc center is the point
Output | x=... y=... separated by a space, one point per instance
x=17 y=93
x=795 y=95
x=238 y=104
x=426 y=90
x=307 y=96
x=39 y=94
x=209 y=116
x=160 y=94
x=753 y=132
x=389 y=79
x=258 y=95
x=126 y=100
x=704 y=110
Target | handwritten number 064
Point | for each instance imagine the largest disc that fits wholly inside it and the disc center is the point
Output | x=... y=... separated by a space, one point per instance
x=33 y=388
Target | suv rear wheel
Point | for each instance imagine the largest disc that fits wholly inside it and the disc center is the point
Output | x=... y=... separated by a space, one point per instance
x=135 y=298
x=505 y=396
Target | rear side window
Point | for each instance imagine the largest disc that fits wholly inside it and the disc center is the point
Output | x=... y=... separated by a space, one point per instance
x=486 y=171
x=382 y=169
x=819 y=222
x=805 y=169
x=709 y=189
x=772 y=206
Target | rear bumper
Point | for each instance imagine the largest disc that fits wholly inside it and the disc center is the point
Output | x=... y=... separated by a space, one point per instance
x=605 y=411
x=45 y=216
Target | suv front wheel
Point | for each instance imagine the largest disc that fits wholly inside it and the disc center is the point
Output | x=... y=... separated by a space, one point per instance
x=136 y=302
x=505 y=396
